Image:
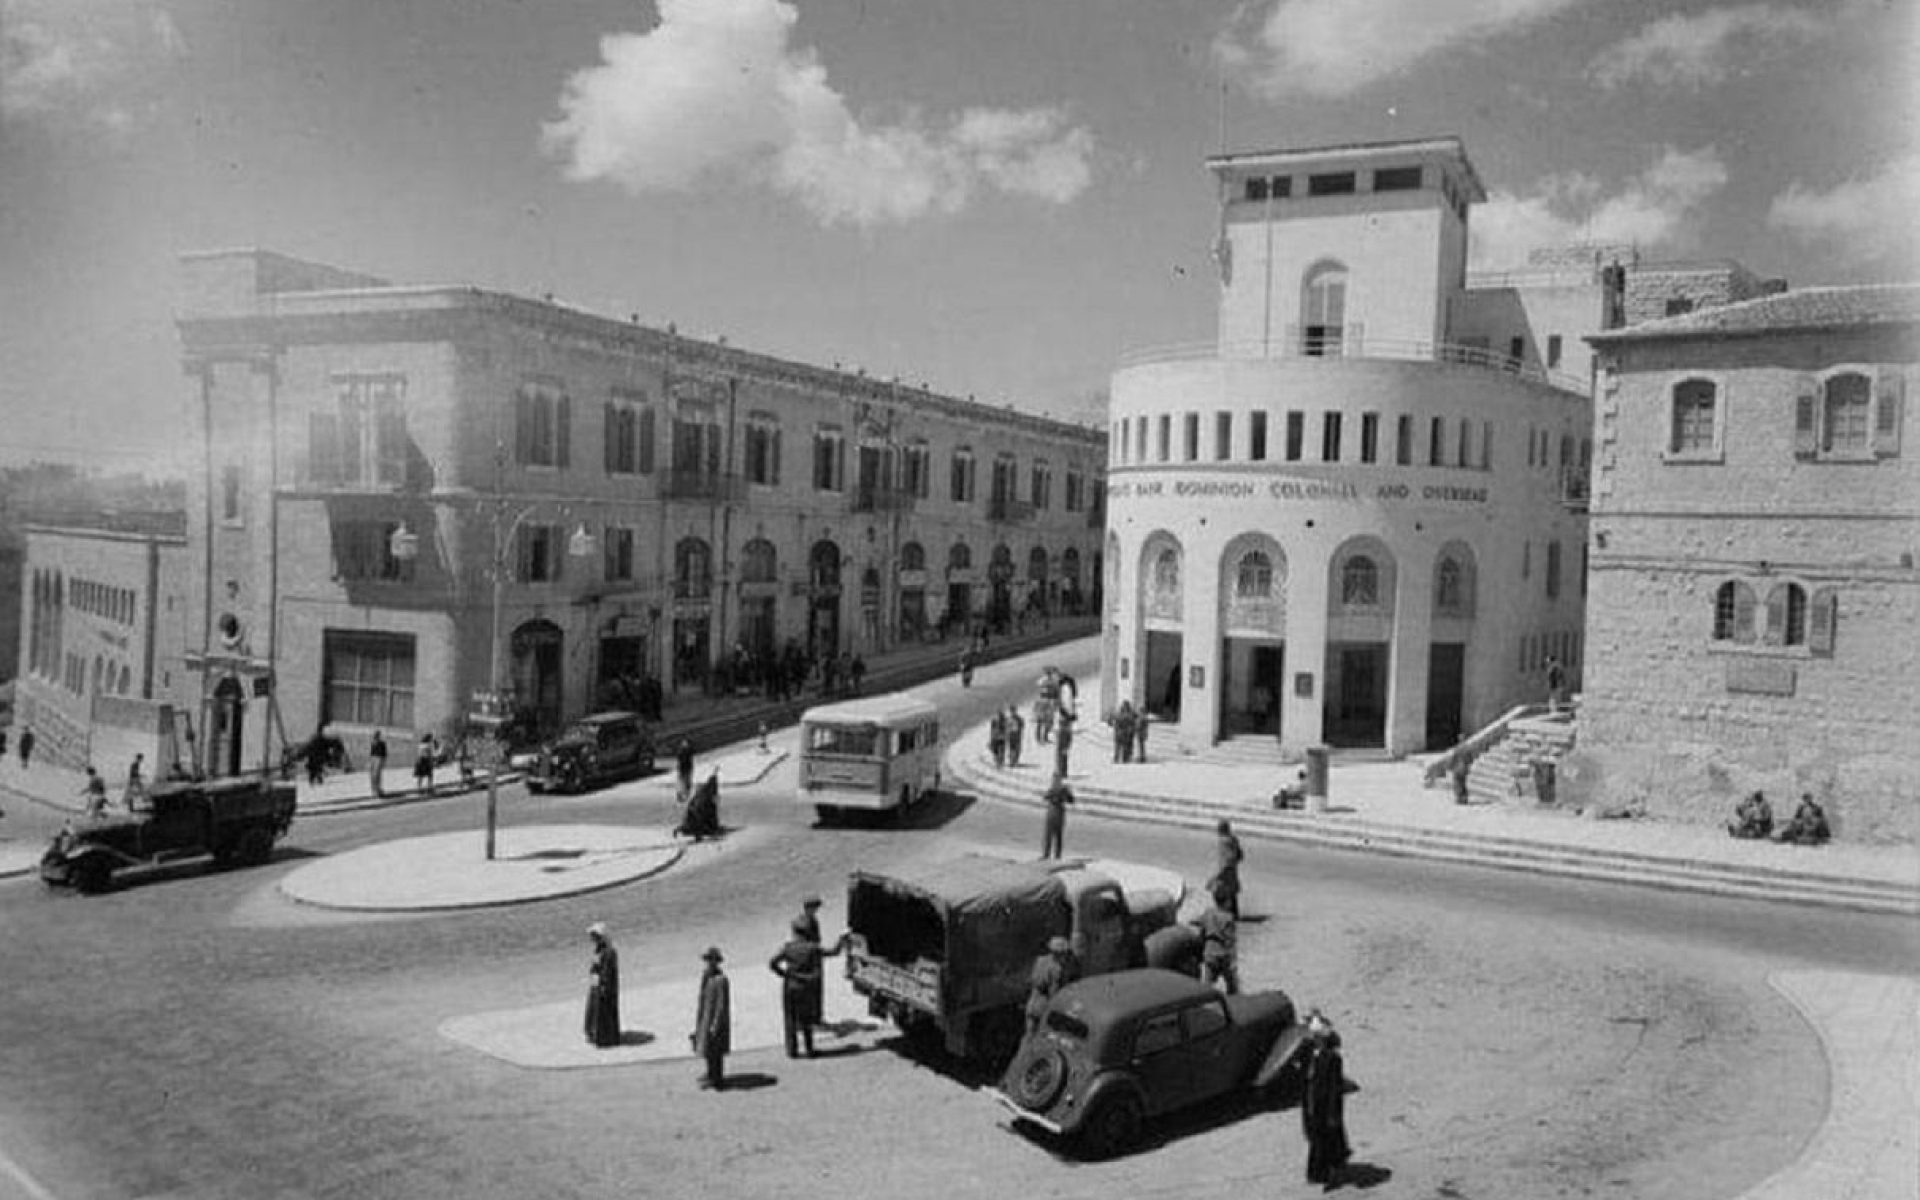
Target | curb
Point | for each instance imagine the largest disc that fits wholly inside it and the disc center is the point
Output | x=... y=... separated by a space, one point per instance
x=672 y=857
x=1495 y=851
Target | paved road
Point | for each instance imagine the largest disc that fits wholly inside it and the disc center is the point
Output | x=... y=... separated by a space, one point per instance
x=197 y=1035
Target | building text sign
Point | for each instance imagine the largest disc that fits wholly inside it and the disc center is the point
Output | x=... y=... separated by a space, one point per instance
x=1284 y=490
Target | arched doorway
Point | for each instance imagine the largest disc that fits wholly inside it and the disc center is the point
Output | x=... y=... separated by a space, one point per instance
x=913 y=592
x=692 y=611
x=1454 y=585
x=959 y=616
x=1162 y=614
x=1000 y=588
x=1038 y=600
x=759 y=598
x=1360 y=597
x=537 y=651
x=823 y=609
x=1252 y=590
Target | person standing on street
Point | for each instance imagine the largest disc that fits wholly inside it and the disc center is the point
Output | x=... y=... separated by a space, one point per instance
x=1219 y=945
x=377 y=761
x=94 y=790
x=1123 y=721
x=712 y=1033
x=966 y=667
x=1051 y=971
x=1015 y=728
x=1140 y=722
x=801 y=966
x=1062 y=742
x=1323 y=1106
x=423 y=756
x=314 y=753
x=997 y=737
x=1556 y=683
x=26 y=747
x=1058 y=796
x=1226 y=872
x=683 y=768
x=603 y=989
x=136 y=782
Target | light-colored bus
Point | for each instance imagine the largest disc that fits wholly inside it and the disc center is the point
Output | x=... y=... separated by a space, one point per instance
x=872 y=754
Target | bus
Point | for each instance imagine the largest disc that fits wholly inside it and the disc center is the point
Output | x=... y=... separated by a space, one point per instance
x=875 y=754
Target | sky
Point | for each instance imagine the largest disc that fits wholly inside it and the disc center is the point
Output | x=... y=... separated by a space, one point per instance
x=995 y=198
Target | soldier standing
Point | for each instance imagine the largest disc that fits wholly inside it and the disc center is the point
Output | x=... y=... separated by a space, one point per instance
x=1015 y=727
x=712 y=1033
x=26 y=747
x=1226 y=874
x=1219 y=949
x=1051 y=971
x=997 y=737
x=801 y=966
x=1053 y=840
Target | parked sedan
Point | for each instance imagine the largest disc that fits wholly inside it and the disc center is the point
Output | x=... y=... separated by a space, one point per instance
x=599 y=749
x=1115 y=1050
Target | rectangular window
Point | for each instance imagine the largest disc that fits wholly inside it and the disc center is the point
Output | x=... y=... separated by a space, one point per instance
x=1396 y=179
x=1076 y=490
x=763 y=450
x=1296 y=435
x=1163 y=438
x=1257 y=437
x=230 y=480
x=1040 y=485
x=368 y=678
x=1190 y=437
x=1256 y=189
x=363 y=552
x=1553 y=570
x=362 y=438
x=1222 y=436
x=1466 y=443
x=1437 y=443
x=829 y=461
x=539 y=553
x=1486 y=445
x=1139 y=439
x=1369 y=437
x=916 y=462
x=1330 y=437
x=1516 y=352
x=1693 y=418
x=623 y=419
x=1403 y=440
x=960 y=477
x=619 y=554
x=1280 y=187
x=542 y=426
x=1553 y=350
x=1679 y=306
x=1339 y=183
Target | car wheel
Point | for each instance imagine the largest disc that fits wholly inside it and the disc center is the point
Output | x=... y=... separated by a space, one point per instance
x=1037 y=1080
x=92 y=875
x=1114 y=1124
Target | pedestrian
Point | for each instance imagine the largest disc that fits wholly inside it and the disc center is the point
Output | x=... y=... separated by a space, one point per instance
x=136 y=781
x=857 y=673
x=1752 y=818
x=1556 y=683
x=1062 y=742
x=683 y=768
x=1462 y=764
x=603 y=989
x=801 y=966
x=1219 y=944
x=94 y=790
x=423 y=764
x=1051 y=971
x=807 y=924
x=377 y=761
x=712 y=1033
x=1140 y=722
x=1123 y=722
x=1042 y=720
x=26 y=747
x=3 y=744
x=314 y=754
x=1058 y=796
x=1808 y=825
x=1226 y=874
x=1015 y=728
x=997 y=737
x=966 y=667
x=1323 y=1105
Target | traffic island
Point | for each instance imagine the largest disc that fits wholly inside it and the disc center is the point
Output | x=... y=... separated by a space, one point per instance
x=451 y=870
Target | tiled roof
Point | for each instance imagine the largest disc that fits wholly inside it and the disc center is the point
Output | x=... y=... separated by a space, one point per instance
x=1805 y=308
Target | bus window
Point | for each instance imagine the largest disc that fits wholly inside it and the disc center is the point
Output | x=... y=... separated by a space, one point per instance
x=863 y=742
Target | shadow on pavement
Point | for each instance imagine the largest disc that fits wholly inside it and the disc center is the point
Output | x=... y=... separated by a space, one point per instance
x=1362 y=1175
x=748 y=1081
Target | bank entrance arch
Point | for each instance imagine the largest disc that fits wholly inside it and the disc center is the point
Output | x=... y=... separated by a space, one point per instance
x=1360 y=597
x=1252 y=591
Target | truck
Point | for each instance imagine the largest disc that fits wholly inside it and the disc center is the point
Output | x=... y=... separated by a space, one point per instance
x=944 y=951
x=236 y=821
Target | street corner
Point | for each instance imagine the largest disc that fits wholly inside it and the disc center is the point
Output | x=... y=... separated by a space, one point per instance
x=18 y=858
x=452 y=871
x=654 y=1024
x=748 y=766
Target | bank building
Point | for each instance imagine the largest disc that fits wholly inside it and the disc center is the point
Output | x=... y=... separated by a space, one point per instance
x=1358 y=516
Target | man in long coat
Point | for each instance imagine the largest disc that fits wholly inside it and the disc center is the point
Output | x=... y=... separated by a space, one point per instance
x=603 y=989
x=1226 y=874
x=1053 y=838
x=1323 y=1108
x=713 y=1021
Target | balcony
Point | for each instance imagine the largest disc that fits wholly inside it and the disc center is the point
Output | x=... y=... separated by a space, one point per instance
x=878 y=499
x=1575 y=487
x=715 y=488
x=1007 y=510
x=1353 y=342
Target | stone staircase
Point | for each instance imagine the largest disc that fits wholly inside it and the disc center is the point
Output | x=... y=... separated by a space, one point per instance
x=1502 y=773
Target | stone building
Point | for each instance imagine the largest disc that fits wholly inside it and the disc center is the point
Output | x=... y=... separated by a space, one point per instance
x=413 y=495
x=1754 y=601
x=1357 y=516
x=101 y=642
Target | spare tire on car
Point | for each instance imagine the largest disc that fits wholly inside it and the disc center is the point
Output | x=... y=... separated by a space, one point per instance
x=1037 y=1076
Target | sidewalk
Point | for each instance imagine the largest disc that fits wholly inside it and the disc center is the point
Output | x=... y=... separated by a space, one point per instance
x=1384 y=808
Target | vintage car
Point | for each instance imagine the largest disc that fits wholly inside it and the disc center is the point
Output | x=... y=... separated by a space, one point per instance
x=594 y=750
x=1115 y=1050
x=235 y=820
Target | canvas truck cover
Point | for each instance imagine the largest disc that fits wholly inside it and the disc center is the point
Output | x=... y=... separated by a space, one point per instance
x=991 y=908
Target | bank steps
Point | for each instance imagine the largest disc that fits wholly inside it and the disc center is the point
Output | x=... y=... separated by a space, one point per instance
x=1252 y=816
x=1504 y=772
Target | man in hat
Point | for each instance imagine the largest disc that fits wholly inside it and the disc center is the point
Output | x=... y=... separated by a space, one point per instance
x=1226 y=874
x=1323 y=1106
x=1058 y=796
x=1051 y=971
x=801 y=966
x=712 y=1033
x=1219 y=943
x=807 y=924
x=603 y=989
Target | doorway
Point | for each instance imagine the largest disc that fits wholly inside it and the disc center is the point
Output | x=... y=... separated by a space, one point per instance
x=1160 y=678
x=537 y=657
x=1355 y=711
x=1446 y=683
x=1250 y=681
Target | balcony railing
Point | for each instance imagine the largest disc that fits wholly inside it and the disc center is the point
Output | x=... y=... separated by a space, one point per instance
x=701 y=485
x=1007 y=509
x=880 y=500
x=1354 y=342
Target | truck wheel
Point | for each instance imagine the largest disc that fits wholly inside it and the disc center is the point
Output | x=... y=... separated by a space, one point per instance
x=256 y=847
x=828 y=814
x=1114 y=1124
x=1037 y=1081
x=92 y=875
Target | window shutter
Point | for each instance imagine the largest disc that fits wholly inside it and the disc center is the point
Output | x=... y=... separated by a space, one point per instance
x=1776 y=615
x=713 y=450
x=323 y=447
x=1743 y=606
x=1806 y=424
x=775 y=453
x=609 y=437
x=1887 y=398
x=563 y=432
x=390 y=431
x=1826 y=615
x=646 y=441
x=1722 y=410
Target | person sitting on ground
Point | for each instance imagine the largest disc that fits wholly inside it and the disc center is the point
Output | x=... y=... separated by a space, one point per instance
x=1753 y=818
x=1808 y=826
x=1293 y=795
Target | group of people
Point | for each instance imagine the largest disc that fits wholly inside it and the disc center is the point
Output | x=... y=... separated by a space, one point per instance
x=1753 y=818
x=1129 y=733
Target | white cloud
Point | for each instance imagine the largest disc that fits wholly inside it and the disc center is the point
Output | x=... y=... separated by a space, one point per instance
x=718 y=89
x=1866 y=219
x=1659 y=206
x=1703 y=48
x=97 y=64
x=1335 y=47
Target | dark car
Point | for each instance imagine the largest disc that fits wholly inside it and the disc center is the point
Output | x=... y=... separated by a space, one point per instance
x=236 y=820
x=1115 y=1050
x=595 y=750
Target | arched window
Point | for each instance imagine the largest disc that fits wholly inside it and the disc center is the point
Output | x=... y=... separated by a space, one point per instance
x=759 y=562
x=1323 y=309
x=1359 y=583
x=1037 y=565
x=1253 y=578
x=1787 y=615
x=959 y=558
x=1453 y=588
x=913 y=557
x=692 y=569
x=1166 y=571
x=1846 y=409
x=1733 y=605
